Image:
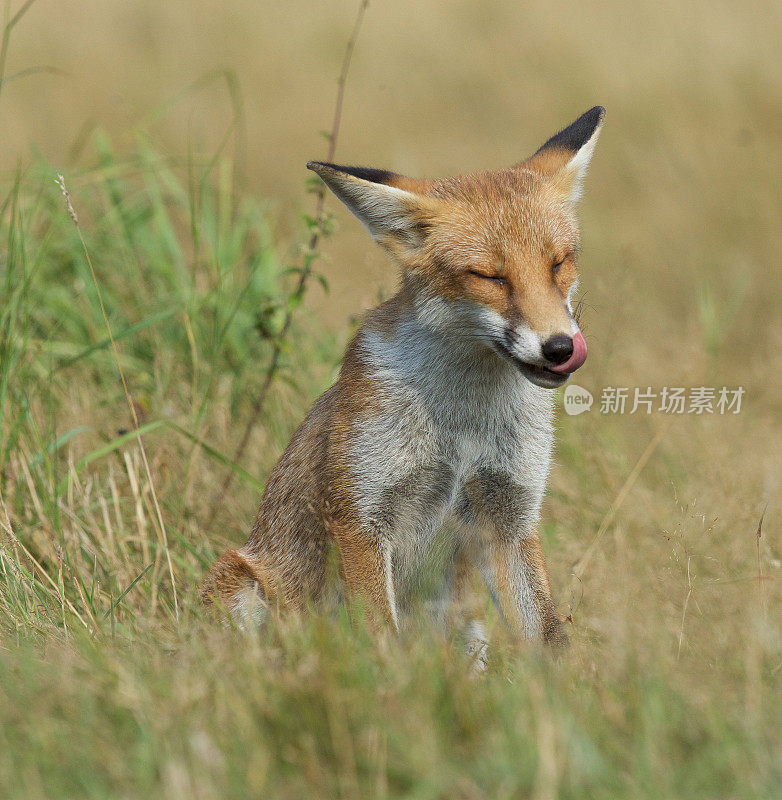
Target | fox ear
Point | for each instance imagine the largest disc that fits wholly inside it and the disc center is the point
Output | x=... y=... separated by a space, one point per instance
x=387 y=203
x=565 y=157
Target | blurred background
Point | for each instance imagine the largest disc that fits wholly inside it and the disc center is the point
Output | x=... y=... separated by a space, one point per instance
x=690 y=148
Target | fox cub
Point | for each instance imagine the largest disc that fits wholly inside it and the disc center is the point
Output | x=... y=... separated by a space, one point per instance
x=441 y=419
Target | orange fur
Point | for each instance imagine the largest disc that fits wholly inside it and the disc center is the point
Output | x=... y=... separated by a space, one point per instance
x=395 y=445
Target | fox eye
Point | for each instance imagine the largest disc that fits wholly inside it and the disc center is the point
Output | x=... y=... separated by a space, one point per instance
x=555 y=268
x=494 y=278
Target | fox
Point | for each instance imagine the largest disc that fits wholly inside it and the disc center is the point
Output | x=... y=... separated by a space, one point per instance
x=441 y=421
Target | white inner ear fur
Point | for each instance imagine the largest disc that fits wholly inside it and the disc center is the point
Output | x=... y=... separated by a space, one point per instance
x=382 y=209
x=574 y=172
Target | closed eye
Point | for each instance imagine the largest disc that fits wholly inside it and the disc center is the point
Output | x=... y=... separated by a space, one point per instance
x=494 y=278
x=555 y=268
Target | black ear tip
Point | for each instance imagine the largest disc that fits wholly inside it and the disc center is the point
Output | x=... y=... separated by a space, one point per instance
x=599 y=113
x=591 y=118
x=578 y=133
x=363 y=173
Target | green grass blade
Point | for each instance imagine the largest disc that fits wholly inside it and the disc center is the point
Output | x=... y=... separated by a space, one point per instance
x=240 y=473
x=123 y=334
x=111 y=447
x=58 y=443
x=130 y=587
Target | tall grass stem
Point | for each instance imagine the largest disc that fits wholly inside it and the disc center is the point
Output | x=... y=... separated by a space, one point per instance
x=131 y=405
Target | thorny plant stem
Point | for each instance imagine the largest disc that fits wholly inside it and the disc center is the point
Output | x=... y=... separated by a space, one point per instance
x=304 y=274
x=164 y=538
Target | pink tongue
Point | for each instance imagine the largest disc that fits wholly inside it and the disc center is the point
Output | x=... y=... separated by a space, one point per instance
x=577 y=359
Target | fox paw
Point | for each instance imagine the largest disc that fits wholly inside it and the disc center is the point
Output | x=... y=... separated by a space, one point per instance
x=476 y=646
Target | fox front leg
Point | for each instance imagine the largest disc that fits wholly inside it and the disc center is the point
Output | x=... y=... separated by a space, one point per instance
x=514 y=566
x=518 y=577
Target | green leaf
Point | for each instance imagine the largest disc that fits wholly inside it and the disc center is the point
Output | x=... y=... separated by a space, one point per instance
x=54 y=446
x=110 y=447
x=132 y=584
x=218 y=456
x=123 y=334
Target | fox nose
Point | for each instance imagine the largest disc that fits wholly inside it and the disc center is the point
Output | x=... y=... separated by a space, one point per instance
x=557 y=349
x=573 y=351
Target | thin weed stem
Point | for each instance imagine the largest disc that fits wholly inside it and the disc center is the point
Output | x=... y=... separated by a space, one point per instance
x=579 y=568
x=304 y=274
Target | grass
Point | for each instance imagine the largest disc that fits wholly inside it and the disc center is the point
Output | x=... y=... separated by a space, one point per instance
x=671 y=687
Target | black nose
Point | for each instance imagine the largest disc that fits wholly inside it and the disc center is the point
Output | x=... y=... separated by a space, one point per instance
x=558 y=349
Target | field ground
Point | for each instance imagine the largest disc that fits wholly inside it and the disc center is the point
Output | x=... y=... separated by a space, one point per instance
x=112 y=684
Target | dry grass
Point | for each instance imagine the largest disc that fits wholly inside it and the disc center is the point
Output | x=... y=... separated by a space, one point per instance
x=672 y=685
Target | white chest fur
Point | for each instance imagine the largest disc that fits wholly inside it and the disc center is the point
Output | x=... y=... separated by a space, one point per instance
x=452 y=409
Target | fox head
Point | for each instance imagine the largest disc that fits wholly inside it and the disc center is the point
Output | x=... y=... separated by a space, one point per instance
x=498 y=249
